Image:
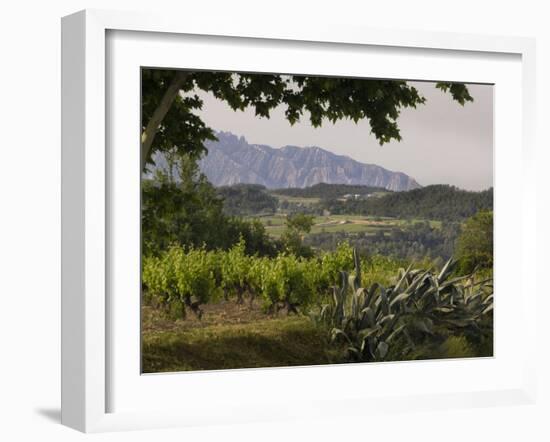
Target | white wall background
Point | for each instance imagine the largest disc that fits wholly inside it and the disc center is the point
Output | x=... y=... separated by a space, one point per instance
x=30 y=215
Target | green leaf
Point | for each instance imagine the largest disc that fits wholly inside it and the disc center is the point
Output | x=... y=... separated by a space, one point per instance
x=400 y=298
x=337 y=332
x=446 y=270
x=395 y=333
x=382 y=349
x=403 y=278
x=422 y=326
x=369 y=315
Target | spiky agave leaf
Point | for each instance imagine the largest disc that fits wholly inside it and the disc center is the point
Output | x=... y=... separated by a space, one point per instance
x=369 y=319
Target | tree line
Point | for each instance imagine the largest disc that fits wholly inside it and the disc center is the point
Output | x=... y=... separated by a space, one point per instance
x=436 y=202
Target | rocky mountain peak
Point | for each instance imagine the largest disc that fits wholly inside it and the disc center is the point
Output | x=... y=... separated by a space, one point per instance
x=233 y=160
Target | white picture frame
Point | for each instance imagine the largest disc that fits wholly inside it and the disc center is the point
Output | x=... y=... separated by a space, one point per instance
x=89 y=321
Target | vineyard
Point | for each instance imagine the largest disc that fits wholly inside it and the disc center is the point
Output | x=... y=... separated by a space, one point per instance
x=186 y=279
x=340 y=305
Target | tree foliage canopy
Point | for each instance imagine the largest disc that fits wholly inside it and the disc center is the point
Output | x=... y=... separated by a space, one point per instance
x=439 y=202
x=474 y=246
x=189 y=212
x=247 y=199
x=318 y=98
x=297 y=226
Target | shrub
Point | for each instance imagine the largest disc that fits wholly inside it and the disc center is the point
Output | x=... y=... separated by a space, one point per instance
x=474 y=247
x=419 y=305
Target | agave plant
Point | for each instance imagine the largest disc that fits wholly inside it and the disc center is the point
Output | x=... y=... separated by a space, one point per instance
x=369 y=319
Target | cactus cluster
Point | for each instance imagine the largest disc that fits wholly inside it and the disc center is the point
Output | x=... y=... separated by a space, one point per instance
x=420 y=303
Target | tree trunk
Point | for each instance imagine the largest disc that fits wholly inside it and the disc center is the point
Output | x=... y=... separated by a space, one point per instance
x=162 y=109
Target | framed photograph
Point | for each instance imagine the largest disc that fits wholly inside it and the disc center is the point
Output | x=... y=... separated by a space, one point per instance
x=265 y=223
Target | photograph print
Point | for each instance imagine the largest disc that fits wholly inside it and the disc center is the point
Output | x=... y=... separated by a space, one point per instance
x=301 y=220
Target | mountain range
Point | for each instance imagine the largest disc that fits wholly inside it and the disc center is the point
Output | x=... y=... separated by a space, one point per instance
x=232 y=160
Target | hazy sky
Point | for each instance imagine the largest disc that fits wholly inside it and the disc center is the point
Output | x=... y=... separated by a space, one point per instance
x=443 y=142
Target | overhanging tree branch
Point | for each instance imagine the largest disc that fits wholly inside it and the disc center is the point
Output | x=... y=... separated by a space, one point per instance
x=169 y=122
x=148 y=135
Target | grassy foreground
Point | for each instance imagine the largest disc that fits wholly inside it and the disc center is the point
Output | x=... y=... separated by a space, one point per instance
x=230 y=336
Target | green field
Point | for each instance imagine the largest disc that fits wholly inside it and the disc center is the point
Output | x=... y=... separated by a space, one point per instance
x=275 y=224
x=297 y=200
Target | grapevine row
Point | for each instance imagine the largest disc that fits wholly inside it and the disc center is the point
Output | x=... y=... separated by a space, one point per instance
x=188 y=278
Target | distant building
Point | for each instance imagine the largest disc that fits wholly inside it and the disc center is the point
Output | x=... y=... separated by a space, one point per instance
x=352 y=196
